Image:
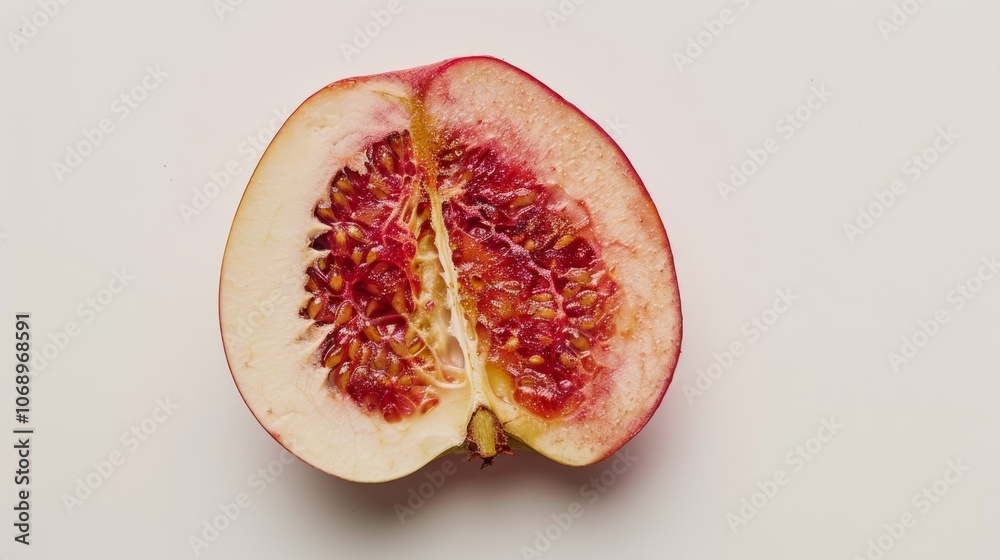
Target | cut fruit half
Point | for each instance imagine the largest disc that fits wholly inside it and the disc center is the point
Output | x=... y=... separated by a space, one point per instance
x=448 y=258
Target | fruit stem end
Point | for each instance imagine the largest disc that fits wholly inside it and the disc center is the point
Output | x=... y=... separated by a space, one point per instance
x=486 y=437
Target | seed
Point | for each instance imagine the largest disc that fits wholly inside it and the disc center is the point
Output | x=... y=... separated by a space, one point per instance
x=345 y=313
x=571 y=290
x=587 y=324
x=543 y=297
x=311 y=285
x=352 y=350
x=406 y=381
x=545 y=340
x=399 y=301
x=321 y=264
x=340 y=200
x=336 y=282
x=372 y=306
x=372 y=334
x=398 y=347
x=355 y=232
x=566 y=360
x=504 y=308
x=411 y=333
x=523 y=200
x=530 y=245
x=341 y=237
x=536 y=360
x=416 y=347
x=315 y=305
x=356 y=256
x=588 y=298
x=366 y=354
x=343 y=377
x=393 y=366
x=564 y=241
x=378 y=191
x=545 y=313
x=477 y=283
x=372 y=288
x=325 y=213
x=372 y=255
x=580 y=343
x=333 y=360
x=579 y=275
x=380 y=361
x=512 y=343
x=343 y=184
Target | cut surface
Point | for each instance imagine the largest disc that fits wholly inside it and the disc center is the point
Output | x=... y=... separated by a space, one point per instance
x=532 y=282
x=430 y=260
x=368 y=287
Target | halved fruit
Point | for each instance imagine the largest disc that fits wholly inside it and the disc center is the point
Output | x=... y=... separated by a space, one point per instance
x=448 y=258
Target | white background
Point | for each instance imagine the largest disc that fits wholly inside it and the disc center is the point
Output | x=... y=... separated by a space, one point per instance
x=683 y=125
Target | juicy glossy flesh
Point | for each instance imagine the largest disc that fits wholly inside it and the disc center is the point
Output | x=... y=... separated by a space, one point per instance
x=365 y=284
x=530 y=280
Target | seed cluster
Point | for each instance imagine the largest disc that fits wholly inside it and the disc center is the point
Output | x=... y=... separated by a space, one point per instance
x=362 y=285
x=531 y=279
